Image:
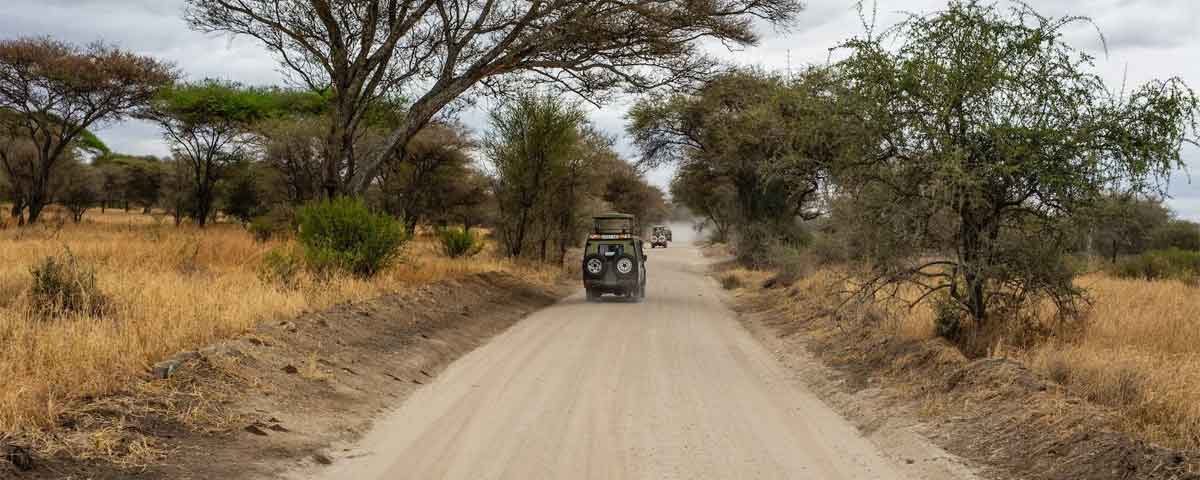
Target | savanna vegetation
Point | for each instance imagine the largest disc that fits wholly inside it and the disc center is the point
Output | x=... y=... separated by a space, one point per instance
x=353 y=180
x=966 y=170
x=968 y=173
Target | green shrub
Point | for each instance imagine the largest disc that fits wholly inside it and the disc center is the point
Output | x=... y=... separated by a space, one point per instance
x=344 y=235
x=63 y=284
x=281 y=266
x=948 y=318
x=457 y=242
x=279 y=222
x=790 y=263
x=1160 y=265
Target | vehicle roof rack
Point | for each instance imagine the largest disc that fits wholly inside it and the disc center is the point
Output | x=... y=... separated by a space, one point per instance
x=613 y=223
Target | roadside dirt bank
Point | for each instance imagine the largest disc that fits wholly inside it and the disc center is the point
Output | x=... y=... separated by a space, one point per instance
x=260 y=404
x=992 y=411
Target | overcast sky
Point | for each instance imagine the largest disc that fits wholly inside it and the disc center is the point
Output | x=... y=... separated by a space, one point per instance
x=1146 y=39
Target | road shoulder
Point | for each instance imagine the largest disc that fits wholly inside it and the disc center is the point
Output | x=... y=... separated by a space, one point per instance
x=266 y=402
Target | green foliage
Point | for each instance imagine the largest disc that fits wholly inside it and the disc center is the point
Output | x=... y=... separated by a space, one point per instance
x=1180 y=234
x=457 y=242
x=63 y=285
x=344 y=235
x=534 y=146
x=131 y=180
x=80 y=189
x=90 y=143
x=1160 y=265
x=990 y=133
x=752 y=148
x=241 y=195
x=434 y=180
x=279 y=222
x=281 y=266
x=219 y=101
x=1124 y=224
x=948 y=318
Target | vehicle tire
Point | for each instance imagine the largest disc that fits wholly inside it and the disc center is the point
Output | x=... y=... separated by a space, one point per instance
x=625 y=266
x=594 y=266
x=592 y=295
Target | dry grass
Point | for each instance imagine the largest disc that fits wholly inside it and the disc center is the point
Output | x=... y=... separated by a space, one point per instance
x=171 y=289
x=1138 y=351
x=1140 y=354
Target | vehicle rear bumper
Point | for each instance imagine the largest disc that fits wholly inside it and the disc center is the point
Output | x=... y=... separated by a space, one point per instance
x=610 y=286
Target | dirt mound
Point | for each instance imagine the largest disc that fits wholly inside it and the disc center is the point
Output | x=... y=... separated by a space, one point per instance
x=285 y=392
x=998 y=375
x=994 y=411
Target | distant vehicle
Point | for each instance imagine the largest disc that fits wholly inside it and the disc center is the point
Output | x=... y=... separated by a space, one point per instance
x=613 y=258
x=660 y=236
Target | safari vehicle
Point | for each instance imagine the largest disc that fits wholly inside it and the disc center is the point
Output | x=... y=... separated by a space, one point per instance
x=613 y=258
x=660 y=236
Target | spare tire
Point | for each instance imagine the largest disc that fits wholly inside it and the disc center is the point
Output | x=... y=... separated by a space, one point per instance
x=594 y=266
x=625 y=266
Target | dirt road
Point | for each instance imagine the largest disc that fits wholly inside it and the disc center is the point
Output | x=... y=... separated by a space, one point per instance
x=672 y=388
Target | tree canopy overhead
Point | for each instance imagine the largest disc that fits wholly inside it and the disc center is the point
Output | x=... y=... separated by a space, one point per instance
x=433 y=51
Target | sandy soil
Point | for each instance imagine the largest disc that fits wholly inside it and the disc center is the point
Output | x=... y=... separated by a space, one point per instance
x=671 y=388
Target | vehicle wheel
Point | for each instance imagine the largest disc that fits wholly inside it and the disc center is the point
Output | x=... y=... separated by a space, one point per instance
x=594 y=266
x=625 y=266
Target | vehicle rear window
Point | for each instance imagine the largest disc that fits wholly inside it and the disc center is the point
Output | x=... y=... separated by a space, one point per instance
x=603 y=249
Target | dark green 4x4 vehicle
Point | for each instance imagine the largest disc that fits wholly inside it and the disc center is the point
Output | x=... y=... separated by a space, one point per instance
x=613 y=258
x=659 y=237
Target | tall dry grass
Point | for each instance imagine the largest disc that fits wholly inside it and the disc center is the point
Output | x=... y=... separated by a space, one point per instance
x=170 y=289
x=1137 y=351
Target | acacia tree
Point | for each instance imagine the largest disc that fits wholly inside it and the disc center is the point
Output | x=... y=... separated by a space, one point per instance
x=293 y=147
x=51 y=92
x=997 y=133
x=208 y=125
x=1124 y=224
x=80 y=188
x=708 y=194
x=421 y=186
x=130 y=180
x=434 y=51
x=770 y=140
x=533 y=140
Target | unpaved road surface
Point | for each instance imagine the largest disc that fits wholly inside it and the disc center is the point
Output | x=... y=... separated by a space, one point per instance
x=671 y=388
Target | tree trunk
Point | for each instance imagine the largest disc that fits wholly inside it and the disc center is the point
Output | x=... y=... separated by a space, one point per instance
x=410 y=224
x=18 y=210
x=203 y=206
x=339 y=152
x=518 y=242
x=35 y=212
